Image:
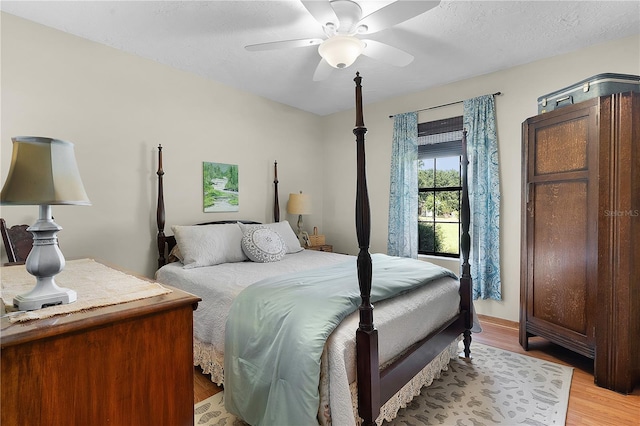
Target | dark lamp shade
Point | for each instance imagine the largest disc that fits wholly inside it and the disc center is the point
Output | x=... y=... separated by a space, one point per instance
x=43 y=171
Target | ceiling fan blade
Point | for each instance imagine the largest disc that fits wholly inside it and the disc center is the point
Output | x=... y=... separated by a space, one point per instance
x=395 y=13
x=323 y=71
x=387 y=54
x=286 y=44
x=321 y=11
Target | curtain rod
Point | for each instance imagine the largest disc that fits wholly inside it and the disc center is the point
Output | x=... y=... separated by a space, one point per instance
x=451 y=103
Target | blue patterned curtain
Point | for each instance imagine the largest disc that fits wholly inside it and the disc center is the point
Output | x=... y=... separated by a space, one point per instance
x=484 y=196
x=403 y=197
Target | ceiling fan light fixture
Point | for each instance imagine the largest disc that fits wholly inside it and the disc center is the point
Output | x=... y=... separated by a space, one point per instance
x=341 y=51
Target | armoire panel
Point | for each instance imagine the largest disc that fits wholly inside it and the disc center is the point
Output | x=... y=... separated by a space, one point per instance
x=562 y=147
x=559 y=261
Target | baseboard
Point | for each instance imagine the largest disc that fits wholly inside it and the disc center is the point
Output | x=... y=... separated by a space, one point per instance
x=498 y=321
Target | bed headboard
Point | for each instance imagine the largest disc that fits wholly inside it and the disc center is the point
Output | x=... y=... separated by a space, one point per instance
x=167 y=242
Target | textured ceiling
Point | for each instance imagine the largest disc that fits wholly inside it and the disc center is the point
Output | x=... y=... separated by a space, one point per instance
x=454 y=41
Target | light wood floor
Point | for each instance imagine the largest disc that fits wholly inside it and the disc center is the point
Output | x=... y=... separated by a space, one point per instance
x=589 y=405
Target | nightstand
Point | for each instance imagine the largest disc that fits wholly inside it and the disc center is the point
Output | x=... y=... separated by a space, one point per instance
x=323 y=247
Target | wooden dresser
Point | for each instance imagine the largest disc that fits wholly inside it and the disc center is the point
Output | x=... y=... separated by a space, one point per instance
x=580 y=265
x=126 y=364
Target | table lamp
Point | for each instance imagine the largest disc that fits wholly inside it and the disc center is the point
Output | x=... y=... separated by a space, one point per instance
x=299 y=204
x=43 y=172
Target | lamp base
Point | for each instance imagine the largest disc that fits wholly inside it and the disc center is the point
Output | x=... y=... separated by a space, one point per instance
x=300 y=225
x=44 y=294
x=44 y=261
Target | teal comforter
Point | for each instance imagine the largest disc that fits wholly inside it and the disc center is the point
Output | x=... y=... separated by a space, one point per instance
x=277 y=328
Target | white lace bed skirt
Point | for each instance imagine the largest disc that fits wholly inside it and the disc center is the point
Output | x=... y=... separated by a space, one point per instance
x=212 y=362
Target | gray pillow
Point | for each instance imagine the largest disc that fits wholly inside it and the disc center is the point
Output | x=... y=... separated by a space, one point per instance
x=263 y=245
x=208 y=245
x=283 y=229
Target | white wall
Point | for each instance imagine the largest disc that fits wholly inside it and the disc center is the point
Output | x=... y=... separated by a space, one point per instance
x=116 y=108
x=520 y=87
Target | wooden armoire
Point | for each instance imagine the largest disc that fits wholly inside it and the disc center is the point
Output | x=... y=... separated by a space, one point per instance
x=580 y=261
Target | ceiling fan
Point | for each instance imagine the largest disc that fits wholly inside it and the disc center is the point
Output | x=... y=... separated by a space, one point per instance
x=343 y=23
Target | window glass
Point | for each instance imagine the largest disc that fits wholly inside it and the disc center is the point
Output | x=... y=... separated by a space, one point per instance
x=439 y=187
x=426 y=173
x=448 y=172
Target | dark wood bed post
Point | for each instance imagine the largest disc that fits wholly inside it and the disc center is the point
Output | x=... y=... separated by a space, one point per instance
x=465 y=247
x=276 y=203
x=160 y=218
x=366 y=335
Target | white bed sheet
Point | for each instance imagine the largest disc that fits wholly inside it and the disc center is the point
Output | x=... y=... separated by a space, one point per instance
x=218 y=285
x=400 y=321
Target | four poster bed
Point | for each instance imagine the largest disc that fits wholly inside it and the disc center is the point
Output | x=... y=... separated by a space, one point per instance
x=348 y=374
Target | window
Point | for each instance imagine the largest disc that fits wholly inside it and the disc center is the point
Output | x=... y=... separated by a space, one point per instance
x=439 y=187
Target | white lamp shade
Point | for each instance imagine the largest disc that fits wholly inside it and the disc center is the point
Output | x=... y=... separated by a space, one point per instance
x=341 y=51
x=43 y=171
x=299 y=204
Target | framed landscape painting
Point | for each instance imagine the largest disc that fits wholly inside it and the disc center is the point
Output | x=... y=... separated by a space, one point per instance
x=220 y=187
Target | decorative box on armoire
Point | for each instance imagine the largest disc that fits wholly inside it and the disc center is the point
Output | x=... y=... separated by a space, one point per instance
x=580 y=261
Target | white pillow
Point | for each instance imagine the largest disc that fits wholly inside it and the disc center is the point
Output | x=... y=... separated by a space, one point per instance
x=208 y=245
x=283 y=229
x=263 y=245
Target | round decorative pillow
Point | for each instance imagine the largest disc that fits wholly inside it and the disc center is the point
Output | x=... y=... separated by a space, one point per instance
x=263 y=245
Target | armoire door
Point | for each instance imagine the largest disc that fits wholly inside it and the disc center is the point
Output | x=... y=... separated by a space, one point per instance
x=559 y=227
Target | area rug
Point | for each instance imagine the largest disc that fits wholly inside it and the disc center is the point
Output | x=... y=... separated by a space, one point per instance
x=496 y=388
